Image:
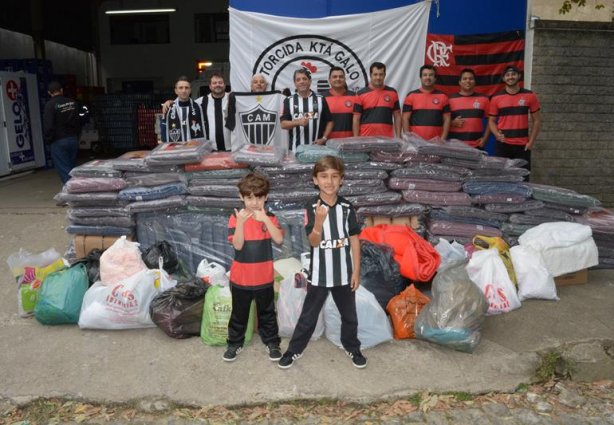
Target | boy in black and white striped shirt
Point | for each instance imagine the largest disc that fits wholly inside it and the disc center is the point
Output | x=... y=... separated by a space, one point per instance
x=332 y=230
x=306 y=115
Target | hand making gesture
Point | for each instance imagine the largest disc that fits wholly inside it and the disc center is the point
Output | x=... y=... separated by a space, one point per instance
x=242 y=215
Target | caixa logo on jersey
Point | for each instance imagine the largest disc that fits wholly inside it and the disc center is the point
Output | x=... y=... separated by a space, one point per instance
x=259 y=125
x=17 y=94
x=315 y=53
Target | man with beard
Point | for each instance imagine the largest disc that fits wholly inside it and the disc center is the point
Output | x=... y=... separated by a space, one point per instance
x=468 y=109
x=340 y=103
x=215 y=106
x=509 y=118
x=425 y=110
x=377 y=111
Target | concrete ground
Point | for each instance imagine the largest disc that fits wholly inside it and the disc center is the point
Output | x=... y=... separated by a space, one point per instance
x=108 y=366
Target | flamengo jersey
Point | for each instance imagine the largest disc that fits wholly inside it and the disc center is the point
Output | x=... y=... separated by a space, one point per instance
x=427 y=110
x=376 y=107
x=252 y=267
x=341 y=109
x=473 y=108
x=331 y=261
x=315 y=108
x=512 y=111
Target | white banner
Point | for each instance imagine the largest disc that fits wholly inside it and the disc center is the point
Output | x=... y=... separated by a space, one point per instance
x=276 y=46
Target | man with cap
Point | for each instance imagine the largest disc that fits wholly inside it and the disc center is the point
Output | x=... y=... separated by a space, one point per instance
x=509 y=117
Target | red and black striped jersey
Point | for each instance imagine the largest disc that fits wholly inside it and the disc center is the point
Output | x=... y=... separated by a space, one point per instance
x=512 y=112
x=252 y=267
x=341 y=108
x=473 y=108
x=376 y=107
x=427 y=110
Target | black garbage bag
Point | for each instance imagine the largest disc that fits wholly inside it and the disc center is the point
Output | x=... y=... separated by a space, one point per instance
x=161 y=249
x=92 y=265
x=183 y=275
x=379 y=272
x=179 y=310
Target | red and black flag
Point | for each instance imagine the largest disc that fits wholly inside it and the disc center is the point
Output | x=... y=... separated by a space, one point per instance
x=486 y=54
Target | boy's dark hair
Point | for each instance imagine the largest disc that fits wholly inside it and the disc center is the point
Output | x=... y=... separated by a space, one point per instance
x=329 y=162
x=255 y=184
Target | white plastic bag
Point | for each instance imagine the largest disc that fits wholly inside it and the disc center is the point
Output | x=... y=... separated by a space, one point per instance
x=534 y=279
x=121 y=305
x=212 y=273
x=487 y=271
x=163 y=280
x=564 y=247
x=449 y=252
x=29 y=271
x=120 y=261
x=289 y=306
x=373 y=324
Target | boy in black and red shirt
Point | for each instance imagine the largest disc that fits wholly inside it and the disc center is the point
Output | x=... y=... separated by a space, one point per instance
x=251 y=274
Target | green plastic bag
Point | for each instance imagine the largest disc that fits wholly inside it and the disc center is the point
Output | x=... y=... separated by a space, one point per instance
x=61 y=296
x=216 y=315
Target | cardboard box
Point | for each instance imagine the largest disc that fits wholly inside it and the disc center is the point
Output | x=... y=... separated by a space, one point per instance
x=84 y=244
x=576 y=278
x=412 y=221
x=402 y=220
x=380 y=219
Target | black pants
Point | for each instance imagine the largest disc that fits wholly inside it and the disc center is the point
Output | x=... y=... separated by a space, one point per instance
x=513 y=151
x=345 y=299
x=265 y=308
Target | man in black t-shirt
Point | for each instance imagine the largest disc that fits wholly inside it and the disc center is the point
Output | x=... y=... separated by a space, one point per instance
x=61 y=129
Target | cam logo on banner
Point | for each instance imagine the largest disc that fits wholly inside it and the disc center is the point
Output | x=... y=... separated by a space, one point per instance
x=257 y=116
x=276 y=46
x=258 y=125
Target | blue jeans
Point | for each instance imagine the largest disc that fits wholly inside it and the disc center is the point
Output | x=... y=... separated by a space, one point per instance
x=64 y=155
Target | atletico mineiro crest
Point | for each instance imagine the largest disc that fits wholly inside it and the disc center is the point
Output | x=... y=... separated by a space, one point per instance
x=259 y=125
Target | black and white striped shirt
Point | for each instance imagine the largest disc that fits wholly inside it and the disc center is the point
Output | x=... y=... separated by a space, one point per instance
x=315 y=107
x=332 y=262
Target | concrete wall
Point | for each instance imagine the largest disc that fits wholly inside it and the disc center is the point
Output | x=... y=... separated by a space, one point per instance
x=160 y=63
x=572 y=75
x=549 y=10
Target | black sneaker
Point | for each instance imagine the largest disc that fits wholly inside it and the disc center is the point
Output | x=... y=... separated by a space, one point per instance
x=274 y=352
x=358 y=360
x=231 y=353
x=287 y=360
